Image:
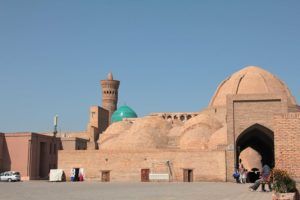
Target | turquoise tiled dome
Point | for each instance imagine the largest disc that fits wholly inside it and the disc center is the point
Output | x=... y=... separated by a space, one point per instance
x=123 y=112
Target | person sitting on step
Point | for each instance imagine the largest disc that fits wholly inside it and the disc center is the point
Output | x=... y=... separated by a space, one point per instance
x=265 y=178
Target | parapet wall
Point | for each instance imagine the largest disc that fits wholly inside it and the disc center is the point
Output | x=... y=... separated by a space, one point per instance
x=287 y=143
x=126 y=165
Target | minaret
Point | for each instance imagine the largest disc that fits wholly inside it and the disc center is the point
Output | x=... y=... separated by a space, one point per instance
x=110 y=89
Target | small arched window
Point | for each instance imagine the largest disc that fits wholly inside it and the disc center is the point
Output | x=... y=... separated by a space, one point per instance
x=182 y=118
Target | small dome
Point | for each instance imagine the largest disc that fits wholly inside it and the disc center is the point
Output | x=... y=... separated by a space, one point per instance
x=251 y=80
x=195 y=133
x=123 y=112
x=144 y=133
x=196 y=138
x=113 y=131
x=218 y=138
x=110 y=76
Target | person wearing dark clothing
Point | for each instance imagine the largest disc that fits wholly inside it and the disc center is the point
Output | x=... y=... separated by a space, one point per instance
x=236 y=175
x=265 y=177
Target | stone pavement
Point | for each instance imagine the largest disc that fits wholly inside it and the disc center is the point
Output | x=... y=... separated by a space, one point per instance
x=42 y=190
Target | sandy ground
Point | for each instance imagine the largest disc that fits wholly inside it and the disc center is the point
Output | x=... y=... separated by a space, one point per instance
x=43 y=190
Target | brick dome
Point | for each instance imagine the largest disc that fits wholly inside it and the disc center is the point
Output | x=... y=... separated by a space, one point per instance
x=144 y=133
x=251 y=80
x=196 y=132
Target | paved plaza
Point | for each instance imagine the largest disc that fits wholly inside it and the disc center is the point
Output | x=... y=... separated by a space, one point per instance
x=37 y=190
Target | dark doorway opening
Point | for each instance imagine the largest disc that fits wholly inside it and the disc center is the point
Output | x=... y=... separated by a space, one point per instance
x=258 y=138
x=145 y=175
x=76 y=175
x=43 y=164
x=187 y=175
x=105 y=176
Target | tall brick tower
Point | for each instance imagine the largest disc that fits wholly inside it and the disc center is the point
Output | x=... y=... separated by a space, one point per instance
x=110 y=89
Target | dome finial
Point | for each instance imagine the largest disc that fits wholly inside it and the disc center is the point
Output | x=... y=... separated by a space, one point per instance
x=110 y=76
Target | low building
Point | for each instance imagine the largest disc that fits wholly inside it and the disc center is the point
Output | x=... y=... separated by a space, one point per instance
x=32 y=154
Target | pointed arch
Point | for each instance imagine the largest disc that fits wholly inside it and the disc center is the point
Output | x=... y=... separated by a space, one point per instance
x=259 y=138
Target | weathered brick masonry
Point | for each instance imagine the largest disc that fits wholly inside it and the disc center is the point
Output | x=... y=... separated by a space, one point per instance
x=127 y=165
x=287 y=143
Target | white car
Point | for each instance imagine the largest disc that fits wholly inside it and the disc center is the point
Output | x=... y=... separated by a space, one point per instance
x=10 y=176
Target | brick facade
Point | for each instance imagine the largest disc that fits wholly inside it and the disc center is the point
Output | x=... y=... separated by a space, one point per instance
x=127 y=165
x=244 y=111
x=110 y=93
x=287 y=143
x=99 y=121
x=73 y=143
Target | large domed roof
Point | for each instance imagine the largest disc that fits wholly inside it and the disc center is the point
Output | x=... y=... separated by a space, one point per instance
x=250 y=80
x=123 y=112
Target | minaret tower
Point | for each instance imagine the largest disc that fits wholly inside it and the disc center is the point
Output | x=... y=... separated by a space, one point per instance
x=110 y=89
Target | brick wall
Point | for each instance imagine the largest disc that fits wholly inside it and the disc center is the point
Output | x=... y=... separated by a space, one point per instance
x=103 y=121
x=73 y=143
x=15 y=157
x=99 y=121
x=287 y=143
x=1 y=150
x=249 y=113
x=126 y=166
x=42 y=160
x=245 y=110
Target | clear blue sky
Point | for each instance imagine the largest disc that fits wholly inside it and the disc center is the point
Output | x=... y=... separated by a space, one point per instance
x=169 y=55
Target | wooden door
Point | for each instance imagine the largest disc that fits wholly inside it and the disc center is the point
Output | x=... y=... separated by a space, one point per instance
x=190 y=172
x=105 y=177
x=185 y=175
x=145 y=175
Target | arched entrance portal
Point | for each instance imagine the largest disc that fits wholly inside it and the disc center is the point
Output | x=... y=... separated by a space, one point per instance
x=259 y=138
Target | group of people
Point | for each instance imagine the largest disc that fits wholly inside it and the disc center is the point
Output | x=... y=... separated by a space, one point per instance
x=77 y=176
x=240 y=174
